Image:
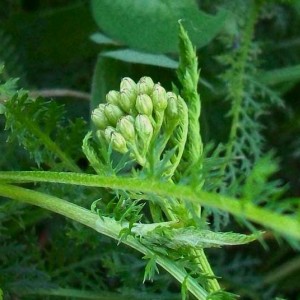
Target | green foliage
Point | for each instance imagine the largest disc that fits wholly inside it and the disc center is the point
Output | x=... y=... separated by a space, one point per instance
x=151 y=268
x=188 y=75
x=7 y=88
x=154 y=20
x=194 y=238
x=189 y=194
x=277 y=76
x=137 y=57
x=38 y=126
x=10 y=57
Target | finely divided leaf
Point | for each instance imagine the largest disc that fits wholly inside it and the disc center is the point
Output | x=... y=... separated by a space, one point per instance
x=191 y=237
x=151 y=268
x=40 y=127
x=92 y=156
x=195 y=238
x=188 y=75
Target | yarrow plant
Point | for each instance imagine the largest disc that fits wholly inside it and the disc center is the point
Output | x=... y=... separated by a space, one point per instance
x=147 y=150
x=141 y=119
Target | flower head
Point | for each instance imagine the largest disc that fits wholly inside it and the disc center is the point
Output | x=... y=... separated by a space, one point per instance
x=135 y=115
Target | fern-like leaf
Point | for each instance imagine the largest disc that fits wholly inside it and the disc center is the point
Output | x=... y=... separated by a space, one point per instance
x=188 y=76
x=194 y=238
x=39 y=126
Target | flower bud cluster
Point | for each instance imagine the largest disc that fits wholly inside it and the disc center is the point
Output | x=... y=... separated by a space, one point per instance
x=130 y=117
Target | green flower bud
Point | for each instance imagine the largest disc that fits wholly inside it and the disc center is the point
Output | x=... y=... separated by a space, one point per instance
x=113 y=97
x=144 y=104
x=127 y=100
x=126 y=127
x=98 y=117
x=145 y=85
x=113 y=113
x=100 y=134
x=159 y=98
x=118 y=142
x=129 y=84
x=143 y=126
x=116 y=139
x=172 y=108
x=108 y=133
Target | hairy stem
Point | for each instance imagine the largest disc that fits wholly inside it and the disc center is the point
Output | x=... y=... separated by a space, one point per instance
x=188 y=75
x=286 y=225
x=106 y=226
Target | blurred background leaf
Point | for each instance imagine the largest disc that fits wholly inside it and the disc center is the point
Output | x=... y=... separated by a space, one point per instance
x=152 y=25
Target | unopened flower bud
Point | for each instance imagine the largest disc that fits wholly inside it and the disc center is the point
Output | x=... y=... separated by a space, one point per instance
x=108 y=132
x=118 y=142
x=113 y=113
x=116 y=139
x=172 y=108
x=100 y=134
x=145 y=85
x=159 y=98
x=98 y=117
x=129 y=84
x=143 y=126
x=113 y=97
x=126 y=127
x=144 y=104
x=127 y=100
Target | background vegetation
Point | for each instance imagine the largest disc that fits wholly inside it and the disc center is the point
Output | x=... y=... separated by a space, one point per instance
x=72 y=53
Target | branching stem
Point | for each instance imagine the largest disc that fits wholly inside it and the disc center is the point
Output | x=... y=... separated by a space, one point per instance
x=106 y=226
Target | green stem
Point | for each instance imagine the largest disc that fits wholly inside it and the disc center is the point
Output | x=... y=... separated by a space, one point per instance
x=286 y=225
x=106 y=226
x=188 y=75
x=101 y=295
x=183 y=127
x=201 y=259
x=159 y=122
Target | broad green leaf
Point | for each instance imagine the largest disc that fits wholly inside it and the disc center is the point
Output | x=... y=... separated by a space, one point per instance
x=101 y=39
x=153 y=25
x=276 y=76
x=138 y=57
